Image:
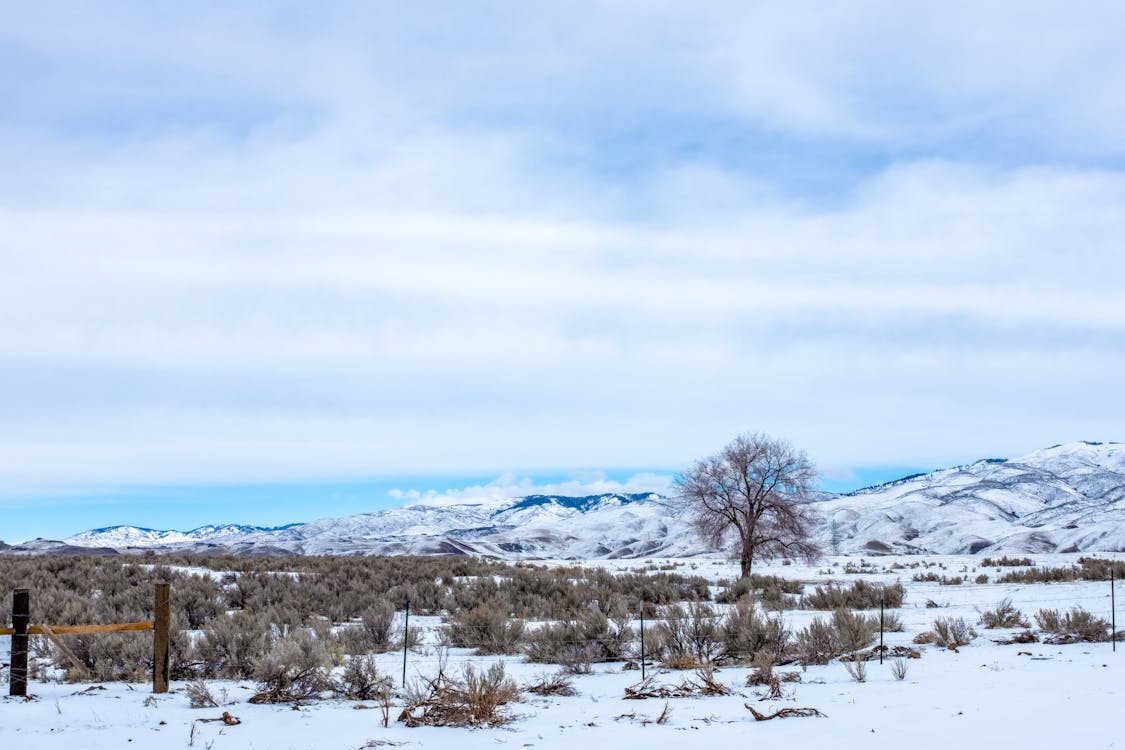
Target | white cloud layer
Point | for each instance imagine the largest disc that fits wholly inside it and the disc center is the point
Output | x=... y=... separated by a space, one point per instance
x=272 y=243
x=508 y=486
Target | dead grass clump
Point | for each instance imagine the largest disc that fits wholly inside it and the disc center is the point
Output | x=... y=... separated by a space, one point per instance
x=904 y=652
x=924 y=638
x=763 y=672
x=474 y=700
x=681 y=662
x=557 y=684
x=704 y=684
x=785 y=713
x=899 y=668
x=1025 y=636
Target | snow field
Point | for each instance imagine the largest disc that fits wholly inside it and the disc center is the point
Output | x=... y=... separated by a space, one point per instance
x=1028 y=696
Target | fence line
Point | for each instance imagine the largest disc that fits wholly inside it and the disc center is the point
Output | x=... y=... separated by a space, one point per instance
x=22 y=628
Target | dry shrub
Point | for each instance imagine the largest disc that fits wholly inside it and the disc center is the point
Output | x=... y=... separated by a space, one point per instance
x=816 y=643
x=362 y=680
x=1005 y=561
x=577 y=644
x=231 y=645
x=375 y=630
x=107 y=657
x=1041 y=575
x=899 y=668
x=688 y=637
x=747 y=635
x=474 y=700
x=857 y=669
x=486 y=628
x=1075 y=626
x=952 y=632
x=1088 y=569
x=846 y=632
x=1099 y=569
x=764 y=676
x=772 y=592
x=892 y=623
x=199 y=695
x=1004 y=615
x=853 y=631
x=292 y=671
x=860 y=595
x=924 y=638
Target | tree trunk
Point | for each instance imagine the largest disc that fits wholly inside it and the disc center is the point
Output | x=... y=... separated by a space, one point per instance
x=746 y=560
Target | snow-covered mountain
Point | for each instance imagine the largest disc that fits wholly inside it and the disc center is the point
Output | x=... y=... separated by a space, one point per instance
x=598 y=526
x=135 y=536
x=1065 y=498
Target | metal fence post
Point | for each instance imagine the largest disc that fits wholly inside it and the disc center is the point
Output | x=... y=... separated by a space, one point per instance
x=405 y=642
x=642 y=639
x=882 y=620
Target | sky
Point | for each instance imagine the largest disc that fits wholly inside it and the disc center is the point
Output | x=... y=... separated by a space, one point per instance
x=267 y=262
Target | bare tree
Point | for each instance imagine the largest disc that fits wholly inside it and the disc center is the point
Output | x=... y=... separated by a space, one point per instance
x=755 y=491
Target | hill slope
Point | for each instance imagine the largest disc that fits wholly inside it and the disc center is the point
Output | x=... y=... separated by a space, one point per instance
x=1065 y=498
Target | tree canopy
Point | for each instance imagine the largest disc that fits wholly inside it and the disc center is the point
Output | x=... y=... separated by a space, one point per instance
x=754 y=493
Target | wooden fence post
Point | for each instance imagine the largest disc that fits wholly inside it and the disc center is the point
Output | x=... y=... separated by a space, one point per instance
x=21 y=614
x=162 y=626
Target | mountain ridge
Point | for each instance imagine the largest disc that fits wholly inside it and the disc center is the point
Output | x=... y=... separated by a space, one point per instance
x=1068 y=497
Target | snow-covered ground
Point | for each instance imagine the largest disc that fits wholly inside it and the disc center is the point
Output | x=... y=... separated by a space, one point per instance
x=1027 y=696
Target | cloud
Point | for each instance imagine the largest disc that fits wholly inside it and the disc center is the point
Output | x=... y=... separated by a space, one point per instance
x=244 y=244
x=510 y=485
